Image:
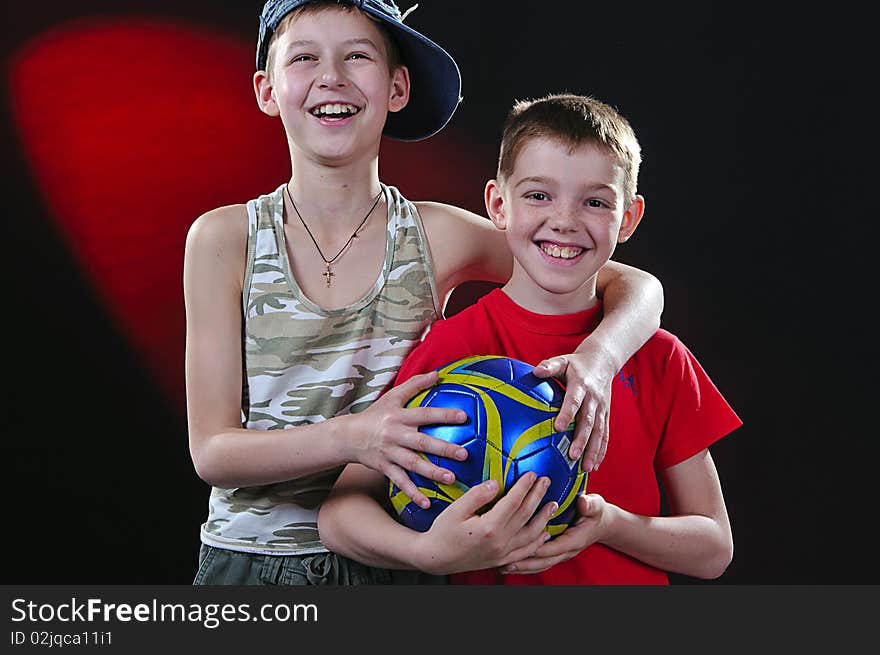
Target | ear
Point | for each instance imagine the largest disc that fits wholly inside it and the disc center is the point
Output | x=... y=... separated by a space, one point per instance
x=631 y=219
x=399 y=89
x=495 y=204
x=265 y=93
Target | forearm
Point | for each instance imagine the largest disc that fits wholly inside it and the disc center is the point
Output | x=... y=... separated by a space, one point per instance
x=632 y=303
x=355 y=524
x=693 y=545
x=246 y=458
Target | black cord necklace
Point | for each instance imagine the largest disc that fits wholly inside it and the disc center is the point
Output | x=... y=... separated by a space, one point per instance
x=328 y=272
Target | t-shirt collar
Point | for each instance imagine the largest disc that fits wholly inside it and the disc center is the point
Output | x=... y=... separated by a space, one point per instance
x=558 y=324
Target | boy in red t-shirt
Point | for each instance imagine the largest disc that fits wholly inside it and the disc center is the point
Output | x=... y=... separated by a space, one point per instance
x=565 y=195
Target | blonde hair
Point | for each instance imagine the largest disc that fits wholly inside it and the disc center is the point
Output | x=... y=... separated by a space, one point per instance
x=574 y=120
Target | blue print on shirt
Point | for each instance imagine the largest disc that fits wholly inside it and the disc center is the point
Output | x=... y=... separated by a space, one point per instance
x=629 y=381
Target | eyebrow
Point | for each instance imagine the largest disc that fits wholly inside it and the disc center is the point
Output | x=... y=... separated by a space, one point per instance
x=350 y=42
x=533 y=178
x=546 y=180
x=368 y=42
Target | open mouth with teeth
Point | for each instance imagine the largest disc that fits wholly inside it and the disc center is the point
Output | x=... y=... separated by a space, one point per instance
x=556 y=251
x=335 y=111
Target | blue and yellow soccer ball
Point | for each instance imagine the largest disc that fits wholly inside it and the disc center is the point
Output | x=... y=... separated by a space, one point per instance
x=509 y=432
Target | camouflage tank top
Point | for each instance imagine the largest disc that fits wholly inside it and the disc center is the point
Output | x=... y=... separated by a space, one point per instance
x=304 y=364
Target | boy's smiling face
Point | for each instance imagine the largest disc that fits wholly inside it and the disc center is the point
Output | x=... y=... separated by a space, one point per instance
x=563 y=212
x=331 y=85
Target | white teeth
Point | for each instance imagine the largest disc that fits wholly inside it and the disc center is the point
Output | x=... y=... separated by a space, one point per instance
x=335 y=109
x=564 y=252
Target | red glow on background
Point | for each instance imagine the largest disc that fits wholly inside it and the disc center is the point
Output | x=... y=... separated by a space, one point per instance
x=133 y=128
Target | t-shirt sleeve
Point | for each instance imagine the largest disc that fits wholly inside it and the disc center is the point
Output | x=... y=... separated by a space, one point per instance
x=444 y=343
x=696 y=414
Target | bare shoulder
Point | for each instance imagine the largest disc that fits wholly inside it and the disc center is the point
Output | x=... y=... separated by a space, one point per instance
x=216 y=248
x=221 y=224
x=221 y=231
x=443 y=215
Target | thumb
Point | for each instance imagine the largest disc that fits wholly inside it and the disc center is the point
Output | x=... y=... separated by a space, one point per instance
x=587 y=505
x=473 y=499
x=553 y=367
x=415 y=384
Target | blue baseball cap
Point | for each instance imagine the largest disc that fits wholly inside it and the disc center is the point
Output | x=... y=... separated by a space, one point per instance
x=435 y=81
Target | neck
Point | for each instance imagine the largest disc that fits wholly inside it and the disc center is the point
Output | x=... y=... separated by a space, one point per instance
x=334 y=196
x=526 y=293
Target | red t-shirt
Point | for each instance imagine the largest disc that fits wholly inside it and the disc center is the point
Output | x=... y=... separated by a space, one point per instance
x=664 y=409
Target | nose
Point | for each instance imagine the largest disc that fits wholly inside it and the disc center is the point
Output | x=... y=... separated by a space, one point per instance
x=331 y=75
x=563 y=220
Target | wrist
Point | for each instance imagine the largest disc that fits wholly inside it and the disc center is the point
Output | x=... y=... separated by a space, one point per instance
x=610 y=524
x=421 y=554
x=601 y=355
x=342 y=434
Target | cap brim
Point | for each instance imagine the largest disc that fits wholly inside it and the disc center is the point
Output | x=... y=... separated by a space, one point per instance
x=435 y=84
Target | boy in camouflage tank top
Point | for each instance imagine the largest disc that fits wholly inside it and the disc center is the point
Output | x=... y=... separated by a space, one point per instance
x=301 y=304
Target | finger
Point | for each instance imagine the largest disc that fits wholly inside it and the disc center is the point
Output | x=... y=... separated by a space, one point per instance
x=473 y=499
x=564 y=547
x=606 y=437
x=540 y=519
x=533 y=519
x=425 y=443
x=515 y=502
x=412 y=461
x=433 y=416
x=526 y=566
x=530 y=523
x=526 y=552
x=511 y=505
x=531 y=565
x=598 y=434
x=591 y=453
x=550 y=553
x=581 y=437
x=553 y=367
x=399 y=477
x=558 y=547
x=571 y=403
x=582 y=429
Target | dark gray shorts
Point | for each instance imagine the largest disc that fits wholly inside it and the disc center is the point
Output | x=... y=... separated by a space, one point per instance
x=218 y=566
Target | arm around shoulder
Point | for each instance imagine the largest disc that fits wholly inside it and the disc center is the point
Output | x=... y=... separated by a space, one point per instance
x=632 y=302
x=464 y=246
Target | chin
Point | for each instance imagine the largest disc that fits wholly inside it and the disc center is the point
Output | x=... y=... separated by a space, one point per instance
x=568 y=291
x=331 y=153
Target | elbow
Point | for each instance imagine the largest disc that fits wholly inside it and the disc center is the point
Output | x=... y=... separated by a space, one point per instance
x=327 y=532
x=208 y=468
x=207 y=473
x=656 y=289
x=652 y=291
x=717 y=561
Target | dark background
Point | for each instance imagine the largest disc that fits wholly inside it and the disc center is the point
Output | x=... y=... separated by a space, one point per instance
x=760 y=225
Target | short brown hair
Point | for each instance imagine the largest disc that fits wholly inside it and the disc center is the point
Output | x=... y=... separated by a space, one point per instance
x=317 y=6
x=574 y=120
